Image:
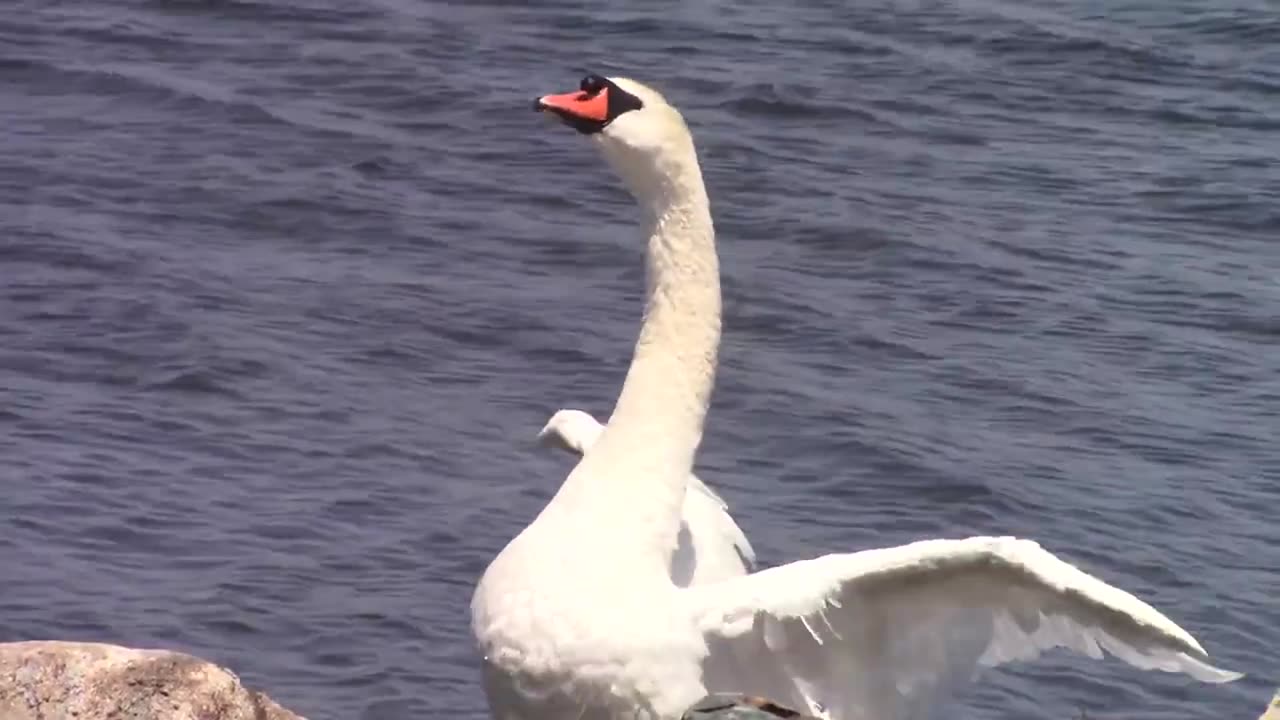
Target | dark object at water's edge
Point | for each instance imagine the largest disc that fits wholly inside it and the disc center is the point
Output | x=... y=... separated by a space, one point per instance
x=725 y=706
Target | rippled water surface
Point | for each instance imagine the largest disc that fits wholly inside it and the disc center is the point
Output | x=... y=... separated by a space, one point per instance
x=289 y=287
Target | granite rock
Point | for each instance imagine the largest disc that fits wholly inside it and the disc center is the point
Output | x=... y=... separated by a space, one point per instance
x=50 y=680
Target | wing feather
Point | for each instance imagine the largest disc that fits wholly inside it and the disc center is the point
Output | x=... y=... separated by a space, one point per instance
x=886 y=634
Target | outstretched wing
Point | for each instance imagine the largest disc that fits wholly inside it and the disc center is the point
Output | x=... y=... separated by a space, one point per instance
x=888 y=634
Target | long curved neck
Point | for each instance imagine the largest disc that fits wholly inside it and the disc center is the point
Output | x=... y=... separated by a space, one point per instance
x=664 y=399
x=639 y=467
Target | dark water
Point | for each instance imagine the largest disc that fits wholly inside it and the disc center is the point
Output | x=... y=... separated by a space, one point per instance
x=289 y=287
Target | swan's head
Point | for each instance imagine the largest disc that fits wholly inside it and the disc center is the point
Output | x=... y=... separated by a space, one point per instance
x=571 y=430
x=644 y=138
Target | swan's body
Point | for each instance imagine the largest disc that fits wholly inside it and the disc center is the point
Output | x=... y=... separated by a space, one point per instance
x=710 y=546
x=578 y=617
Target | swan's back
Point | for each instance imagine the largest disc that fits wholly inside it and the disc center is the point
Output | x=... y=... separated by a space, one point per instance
x=710 y=547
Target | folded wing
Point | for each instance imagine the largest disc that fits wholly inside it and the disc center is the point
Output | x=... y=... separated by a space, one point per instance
x=711 y=547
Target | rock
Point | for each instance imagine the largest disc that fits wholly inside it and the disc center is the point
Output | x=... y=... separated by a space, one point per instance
x=727 y=706
x=92 y=681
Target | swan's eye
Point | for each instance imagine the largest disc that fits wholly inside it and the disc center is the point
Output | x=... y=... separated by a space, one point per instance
x=592 y=84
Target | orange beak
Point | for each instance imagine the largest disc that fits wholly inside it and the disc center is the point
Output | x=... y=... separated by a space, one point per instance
x=579 y=105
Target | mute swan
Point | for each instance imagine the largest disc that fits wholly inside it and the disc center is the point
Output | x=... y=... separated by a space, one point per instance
x=710 y=545
x=577 y=617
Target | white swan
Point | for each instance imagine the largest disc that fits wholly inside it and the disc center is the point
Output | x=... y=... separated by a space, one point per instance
x=578 y=619
x=710 y=546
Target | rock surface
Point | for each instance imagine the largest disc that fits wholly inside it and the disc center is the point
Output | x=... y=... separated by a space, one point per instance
x=91 y=681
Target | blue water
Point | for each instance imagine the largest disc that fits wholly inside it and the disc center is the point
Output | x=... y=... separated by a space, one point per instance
x=289 y=287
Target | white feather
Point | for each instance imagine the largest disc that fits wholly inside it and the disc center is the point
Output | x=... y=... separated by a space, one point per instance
x=582 y=614
x=906 y=625
x=710 y=545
